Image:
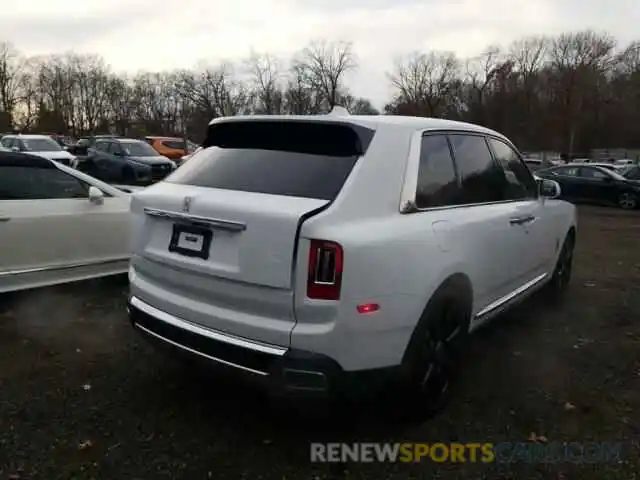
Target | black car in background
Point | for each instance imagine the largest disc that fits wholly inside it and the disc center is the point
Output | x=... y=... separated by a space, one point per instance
x=587 y=183
x=125 y=161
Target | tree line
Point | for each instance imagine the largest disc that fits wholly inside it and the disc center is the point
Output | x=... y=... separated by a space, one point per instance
x=569 y=93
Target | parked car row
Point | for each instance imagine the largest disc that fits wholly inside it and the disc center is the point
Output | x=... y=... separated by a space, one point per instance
x=599 y=183
x=172 y=148
x=126 y=161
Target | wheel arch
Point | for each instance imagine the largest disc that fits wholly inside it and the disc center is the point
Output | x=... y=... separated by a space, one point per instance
x=457 y=286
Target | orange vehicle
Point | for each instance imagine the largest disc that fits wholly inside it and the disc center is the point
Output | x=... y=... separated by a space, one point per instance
x=171 y=147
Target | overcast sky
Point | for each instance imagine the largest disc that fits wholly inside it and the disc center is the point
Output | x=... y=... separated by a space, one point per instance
x=151 y=35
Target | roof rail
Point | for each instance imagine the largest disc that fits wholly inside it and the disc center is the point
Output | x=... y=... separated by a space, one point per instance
x=338 y=111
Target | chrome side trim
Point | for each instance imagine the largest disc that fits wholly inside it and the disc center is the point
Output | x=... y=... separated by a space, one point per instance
x=196 y=352
x=69 y=266
x=510 y=296
x=193 y=219
x=206 y=332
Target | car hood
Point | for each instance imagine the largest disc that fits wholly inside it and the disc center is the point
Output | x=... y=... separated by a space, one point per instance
x=53 y=155
x=150 y=160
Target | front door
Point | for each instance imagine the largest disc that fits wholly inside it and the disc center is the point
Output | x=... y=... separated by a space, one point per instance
x=49 y=223
x=537 y=248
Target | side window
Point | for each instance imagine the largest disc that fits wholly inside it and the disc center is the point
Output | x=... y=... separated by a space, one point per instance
x=482 y=178
x=519 y=182
x=437 y=181
x=174 y=144
x=587 y=172
x=58 y=184
x=32 y=183
x=114 y=147
x=15 y=183
x=566 y=171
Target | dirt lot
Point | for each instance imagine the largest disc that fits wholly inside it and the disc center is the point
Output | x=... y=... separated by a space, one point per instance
x=81 y=396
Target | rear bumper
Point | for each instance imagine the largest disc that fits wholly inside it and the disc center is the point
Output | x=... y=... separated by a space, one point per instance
x=285 y=372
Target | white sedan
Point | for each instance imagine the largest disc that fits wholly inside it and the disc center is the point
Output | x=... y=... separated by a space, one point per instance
x=41 y=145
x=58 y=225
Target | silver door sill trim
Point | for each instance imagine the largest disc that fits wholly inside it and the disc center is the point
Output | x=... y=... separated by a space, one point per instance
x=206 y=332
x=510 y=296
x=209 y=222
x=196 y=352
x=69 y=266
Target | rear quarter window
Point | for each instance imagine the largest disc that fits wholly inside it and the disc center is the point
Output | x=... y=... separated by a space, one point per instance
x=297 y=159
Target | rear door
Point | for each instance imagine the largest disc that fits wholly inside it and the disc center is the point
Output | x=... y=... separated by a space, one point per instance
x=221 y=232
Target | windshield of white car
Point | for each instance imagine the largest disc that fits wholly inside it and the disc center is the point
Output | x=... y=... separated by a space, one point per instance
x=41 y=145
x=138 y=149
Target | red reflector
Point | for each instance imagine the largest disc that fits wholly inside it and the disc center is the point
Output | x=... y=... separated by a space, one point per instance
x=368 y=308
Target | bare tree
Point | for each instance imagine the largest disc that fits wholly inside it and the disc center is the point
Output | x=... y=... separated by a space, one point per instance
x=264 y=82
x=578 y=60
x=10 y=66
x=325 y=64
x=570 y=93
x=480 y=72
x=426 y=81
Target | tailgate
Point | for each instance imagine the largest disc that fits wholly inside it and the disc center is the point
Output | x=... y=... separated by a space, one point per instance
x=239 y=236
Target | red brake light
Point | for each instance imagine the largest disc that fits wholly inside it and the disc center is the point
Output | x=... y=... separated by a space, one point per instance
x=325 y=270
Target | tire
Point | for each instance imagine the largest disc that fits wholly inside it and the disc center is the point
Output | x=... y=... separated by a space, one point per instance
x=562 y=271
x=433 y=354
x=628 y=201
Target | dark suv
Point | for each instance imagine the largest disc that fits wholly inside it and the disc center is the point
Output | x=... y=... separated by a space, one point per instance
x=126 y=161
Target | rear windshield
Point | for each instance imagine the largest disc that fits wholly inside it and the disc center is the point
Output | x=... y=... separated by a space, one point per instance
x=297 y=159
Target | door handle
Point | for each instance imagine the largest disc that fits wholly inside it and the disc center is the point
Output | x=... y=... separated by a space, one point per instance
x=522 y=220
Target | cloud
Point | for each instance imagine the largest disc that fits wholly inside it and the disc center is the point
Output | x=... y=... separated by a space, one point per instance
x=146 y=35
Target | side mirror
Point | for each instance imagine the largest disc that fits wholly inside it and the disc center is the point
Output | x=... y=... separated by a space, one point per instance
x=15 y=149
x=96 y=196
x=549 y=188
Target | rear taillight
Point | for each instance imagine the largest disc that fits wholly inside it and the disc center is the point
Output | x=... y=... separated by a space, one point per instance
x=325 y=270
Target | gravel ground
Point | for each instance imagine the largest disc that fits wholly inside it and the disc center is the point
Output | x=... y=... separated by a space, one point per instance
x=83 y=397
